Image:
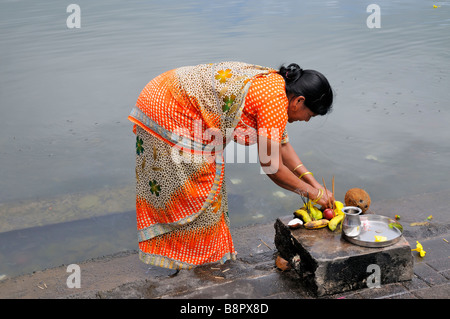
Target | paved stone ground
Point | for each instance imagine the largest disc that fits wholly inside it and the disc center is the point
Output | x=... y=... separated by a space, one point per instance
x=252 y=276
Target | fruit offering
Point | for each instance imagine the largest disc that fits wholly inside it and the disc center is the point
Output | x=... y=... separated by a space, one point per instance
x=313 y=218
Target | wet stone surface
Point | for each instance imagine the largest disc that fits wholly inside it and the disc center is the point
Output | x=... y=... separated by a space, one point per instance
x=328 y=264
x=254 y=273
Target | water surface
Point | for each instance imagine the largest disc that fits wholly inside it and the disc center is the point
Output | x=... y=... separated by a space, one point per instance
x=65 y=95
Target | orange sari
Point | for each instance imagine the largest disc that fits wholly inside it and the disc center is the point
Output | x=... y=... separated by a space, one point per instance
x=183 y=120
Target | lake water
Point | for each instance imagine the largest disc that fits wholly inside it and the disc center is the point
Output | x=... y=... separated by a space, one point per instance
x=67 y=150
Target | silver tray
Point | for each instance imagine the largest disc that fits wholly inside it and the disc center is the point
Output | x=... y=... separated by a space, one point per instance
x=375 y=225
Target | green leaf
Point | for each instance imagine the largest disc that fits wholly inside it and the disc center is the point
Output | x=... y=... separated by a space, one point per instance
x=396 y=225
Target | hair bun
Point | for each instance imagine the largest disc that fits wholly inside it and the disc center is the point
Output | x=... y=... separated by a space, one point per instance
x=291 y=73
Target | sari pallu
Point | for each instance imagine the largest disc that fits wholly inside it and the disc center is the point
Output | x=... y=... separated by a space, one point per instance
x=181 y=200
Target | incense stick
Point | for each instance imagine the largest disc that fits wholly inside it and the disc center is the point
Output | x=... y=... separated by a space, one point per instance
x=332 y=189
x=325 y=186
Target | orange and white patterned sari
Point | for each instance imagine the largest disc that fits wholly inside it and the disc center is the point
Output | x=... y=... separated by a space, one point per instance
x=183 y=119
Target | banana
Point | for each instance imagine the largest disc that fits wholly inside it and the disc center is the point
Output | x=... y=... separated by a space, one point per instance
x=315 y=224
x=303 y=214
x=335 y=221
x=316 y=213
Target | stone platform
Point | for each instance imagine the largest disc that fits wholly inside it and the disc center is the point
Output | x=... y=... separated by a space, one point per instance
x=328 y=264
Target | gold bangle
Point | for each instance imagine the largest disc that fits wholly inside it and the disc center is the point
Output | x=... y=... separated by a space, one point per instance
x=319 y=196
x=305 y=173
x=297 y=167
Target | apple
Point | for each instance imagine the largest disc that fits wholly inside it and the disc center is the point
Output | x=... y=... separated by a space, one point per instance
x=328 y=213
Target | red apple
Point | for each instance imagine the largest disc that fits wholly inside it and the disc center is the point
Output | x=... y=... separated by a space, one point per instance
x=328 y=213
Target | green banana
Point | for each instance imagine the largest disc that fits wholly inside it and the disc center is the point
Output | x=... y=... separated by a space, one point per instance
x=316 y=213
x=335 y=221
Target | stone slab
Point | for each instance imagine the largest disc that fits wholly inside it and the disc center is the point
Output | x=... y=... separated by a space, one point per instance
x=328 y=264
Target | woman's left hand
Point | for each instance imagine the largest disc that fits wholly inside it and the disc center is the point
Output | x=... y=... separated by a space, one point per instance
x=326 y=199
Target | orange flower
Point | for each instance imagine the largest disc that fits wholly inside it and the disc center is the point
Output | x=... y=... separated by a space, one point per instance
x=223 y=75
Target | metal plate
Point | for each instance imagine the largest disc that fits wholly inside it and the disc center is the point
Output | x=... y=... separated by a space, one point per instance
x=375 y=225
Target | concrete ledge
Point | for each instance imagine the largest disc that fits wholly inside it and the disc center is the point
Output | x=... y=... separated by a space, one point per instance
x=328 y=264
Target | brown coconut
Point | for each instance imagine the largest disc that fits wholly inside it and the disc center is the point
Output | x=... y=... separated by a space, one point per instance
x=357 y=197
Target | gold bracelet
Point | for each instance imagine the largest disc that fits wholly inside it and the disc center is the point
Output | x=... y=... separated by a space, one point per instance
x=297 y=167
x=319 y=196
x=305 y=173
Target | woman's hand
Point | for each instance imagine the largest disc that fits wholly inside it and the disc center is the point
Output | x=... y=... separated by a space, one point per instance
x=326 y=199
x=275 y=158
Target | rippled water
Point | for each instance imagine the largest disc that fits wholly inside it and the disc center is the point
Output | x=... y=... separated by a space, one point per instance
x=65 y=95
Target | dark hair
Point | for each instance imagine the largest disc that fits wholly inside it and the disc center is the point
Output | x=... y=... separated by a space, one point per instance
x=311 y=84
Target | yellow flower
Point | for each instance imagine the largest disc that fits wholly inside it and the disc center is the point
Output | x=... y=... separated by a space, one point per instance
x=419 y=249
x=338 y=208
x=223 y=75
x=338 y=204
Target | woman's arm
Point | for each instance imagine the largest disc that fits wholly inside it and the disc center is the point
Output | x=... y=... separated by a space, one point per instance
x=278 y=161
x=292 y=161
